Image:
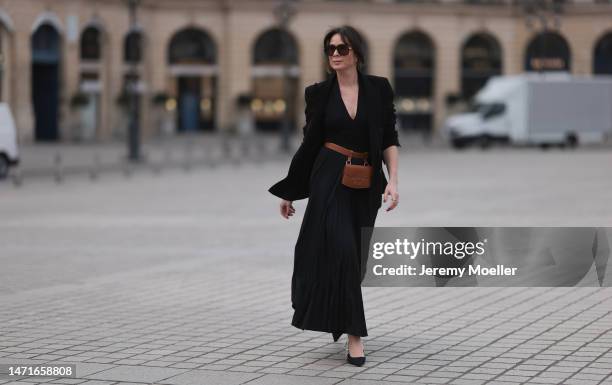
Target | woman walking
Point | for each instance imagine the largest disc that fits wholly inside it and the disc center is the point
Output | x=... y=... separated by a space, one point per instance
x=351 y=113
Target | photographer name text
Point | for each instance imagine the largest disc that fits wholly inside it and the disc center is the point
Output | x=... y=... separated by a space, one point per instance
x=444 y=271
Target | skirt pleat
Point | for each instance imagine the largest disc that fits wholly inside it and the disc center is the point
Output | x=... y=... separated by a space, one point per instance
x=326 y=285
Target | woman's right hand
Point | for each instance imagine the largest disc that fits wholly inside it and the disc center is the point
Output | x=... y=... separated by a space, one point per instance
x=286 y=208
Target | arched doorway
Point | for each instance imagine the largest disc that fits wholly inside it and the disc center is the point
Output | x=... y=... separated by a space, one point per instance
x=90 y=82
x=602 y=55
x=45 y=44
x=274 y=91
x=548 y=51
x=481 y=58
x=414 y=69
x=192 y=55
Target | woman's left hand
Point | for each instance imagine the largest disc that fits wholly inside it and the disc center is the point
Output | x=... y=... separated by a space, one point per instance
x=391 y=190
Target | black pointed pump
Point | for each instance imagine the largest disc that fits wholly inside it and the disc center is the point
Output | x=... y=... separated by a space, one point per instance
x=357 y=361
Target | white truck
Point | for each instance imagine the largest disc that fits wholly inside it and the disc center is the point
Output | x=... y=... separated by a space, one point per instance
x=549 y=108
x=9 y=155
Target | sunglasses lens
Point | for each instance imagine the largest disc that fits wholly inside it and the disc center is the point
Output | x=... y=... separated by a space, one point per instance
x=343 y=49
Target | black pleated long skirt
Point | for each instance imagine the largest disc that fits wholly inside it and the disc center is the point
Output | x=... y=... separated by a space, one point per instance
x=326 y=283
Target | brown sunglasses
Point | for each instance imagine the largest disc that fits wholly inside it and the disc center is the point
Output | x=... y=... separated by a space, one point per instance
x=343 y=49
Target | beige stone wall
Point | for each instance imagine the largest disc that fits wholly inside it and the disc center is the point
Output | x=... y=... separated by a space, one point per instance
x=235 y=24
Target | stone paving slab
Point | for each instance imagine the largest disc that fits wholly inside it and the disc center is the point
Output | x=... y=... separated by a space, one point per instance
x=182 y=280
x=137 y=373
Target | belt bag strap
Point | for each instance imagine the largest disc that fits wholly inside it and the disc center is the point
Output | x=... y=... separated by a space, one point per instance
x=346 y=151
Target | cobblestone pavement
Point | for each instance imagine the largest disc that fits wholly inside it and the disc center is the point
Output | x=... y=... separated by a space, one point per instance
x=184 y=278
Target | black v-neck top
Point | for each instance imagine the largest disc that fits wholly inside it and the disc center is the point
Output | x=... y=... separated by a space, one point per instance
x=340 y=128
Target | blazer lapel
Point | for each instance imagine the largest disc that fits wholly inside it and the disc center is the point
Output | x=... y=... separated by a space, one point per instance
x=321 y=98
x=374 y=124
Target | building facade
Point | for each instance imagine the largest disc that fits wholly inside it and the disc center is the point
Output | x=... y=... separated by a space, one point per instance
x=66 y=64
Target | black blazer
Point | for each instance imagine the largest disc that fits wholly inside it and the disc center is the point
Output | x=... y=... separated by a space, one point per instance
x=381 y=121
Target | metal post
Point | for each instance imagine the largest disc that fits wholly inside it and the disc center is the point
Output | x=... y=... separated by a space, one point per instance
x=285 y=146
x=58 y=169
x=284 y=12
x=134 y=126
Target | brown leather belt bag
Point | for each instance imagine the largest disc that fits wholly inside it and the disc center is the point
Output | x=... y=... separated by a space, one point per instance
x=356 y=176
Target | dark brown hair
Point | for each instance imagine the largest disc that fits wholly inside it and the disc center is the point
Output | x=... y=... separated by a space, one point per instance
x=349 y=36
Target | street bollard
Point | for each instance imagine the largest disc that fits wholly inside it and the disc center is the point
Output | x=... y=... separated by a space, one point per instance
x=17 y=177
x=167 y=156
x=187 y=158
x=199 y=154
x=58 y=170
x=258 y=149
x=245 y=146
x=225 y=146
x=156 y=167
x=127 y=168
x=234 y=151
x=209 y=155
x=95 y=169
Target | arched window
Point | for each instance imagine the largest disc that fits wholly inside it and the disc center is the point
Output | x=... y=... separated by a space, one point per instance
x=602 y=57
x=192 y=46
x=481 y=58
x=91 y=45
x=275 y=47
x=548 y=51
x=45 y=44
x=132 y=47
x=413 y=64
x=274 y=91
x=192 y=55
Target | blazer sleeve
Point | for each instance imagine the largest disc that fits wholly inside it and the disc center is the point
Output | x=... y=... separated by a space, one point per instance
x=295 y=185
x=389 y=131
x=307 y=108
